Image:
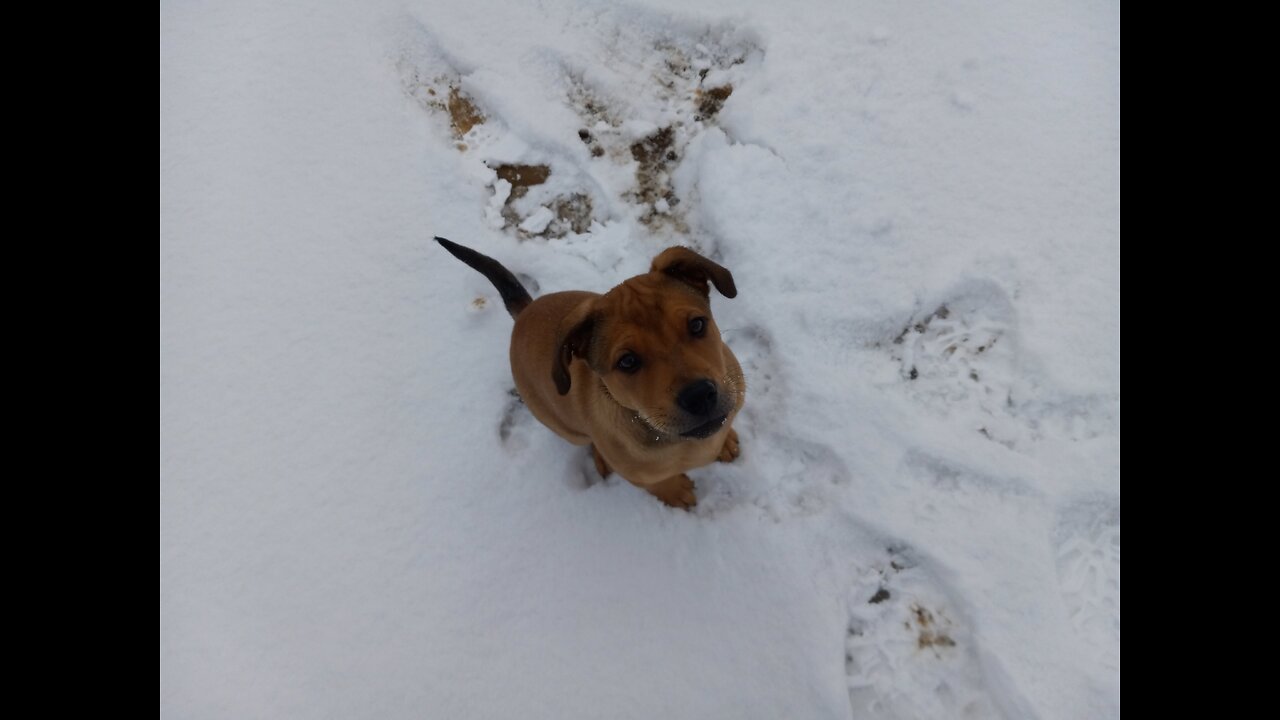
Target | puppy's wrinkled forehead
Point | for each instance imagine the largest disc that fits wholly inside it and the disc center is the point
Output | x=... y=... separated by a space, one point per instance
x=653 y=303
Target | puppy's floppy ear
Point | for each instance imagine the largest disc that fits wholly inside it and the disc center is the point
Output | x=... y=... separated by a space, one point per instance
x=575 y=342
x=688 y=266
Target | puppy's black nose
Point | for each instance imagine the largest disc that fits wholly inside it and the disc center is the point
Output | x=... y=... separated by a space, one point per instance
x=698 y=397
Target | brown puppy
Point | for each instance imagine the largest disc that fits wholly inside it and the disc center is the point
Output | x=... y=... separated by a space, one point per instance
x=639 y=373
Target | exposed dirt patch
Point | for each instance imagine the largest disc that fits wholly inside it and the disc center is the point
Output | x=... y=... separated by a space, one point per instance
x=942 y=313
x=572 y=213
x=685 y=79
x=440 y=93
x=653 y=149
x=523 y=176
x=463 y=113
x=929 y=639
x=597 y=150
x=687 y=76
x=656 y=156
x=710 y=100
x=930 y=634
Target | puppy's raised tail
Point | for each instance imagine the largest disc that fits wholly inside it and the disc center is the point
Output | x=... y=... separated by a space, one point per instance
x=514 y=296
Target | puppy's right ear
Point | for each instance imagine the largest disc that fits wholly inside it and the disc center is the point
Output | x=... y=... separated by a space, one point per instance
x=575 y=343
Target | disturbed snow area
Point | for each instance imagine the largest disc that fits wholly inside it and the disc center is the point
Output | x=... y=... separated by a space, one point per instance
x=920 y=206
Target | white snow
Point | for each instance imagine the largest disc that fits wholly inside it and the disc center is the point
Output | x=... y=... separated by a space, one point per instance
x=538 y=221
x=920 y=203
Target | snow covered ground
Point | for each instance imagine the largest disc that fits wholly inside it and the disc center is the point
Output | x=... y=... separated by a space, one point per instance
x=920 y=203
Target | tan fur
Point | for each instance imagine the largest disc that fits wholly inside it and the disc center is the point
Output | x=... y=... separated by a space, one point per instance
x=632 y=420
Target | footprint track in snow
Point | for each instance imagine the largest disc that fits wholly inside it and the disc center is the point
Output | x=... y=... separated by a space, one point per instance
x=909 y=652
x=957 y=486
x=653 y=94
x=658 y=87
x=535 y=192
x=516 y=424
x=961 y=353
x=432 y=80
x=962 y=360
x=1087 y=553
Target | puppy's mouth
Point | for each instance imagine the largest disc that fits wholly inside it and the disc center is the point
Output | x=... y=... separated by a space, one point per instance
x=707 y=429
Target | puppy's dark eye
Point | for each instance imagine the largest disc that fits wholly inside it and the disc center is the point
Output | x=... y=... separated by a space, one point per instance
x=698 y=327
x=629 y=363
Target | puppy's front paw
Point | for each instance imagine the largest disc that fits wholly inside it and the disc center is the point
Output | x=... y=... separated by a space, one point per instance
x=676 y=491
x=730 y=450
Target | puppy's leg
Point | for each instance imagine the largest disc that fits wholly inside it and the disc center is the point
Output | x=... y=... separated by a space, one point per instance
x=602 y=467
x=676 y=491
x=730 y=450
